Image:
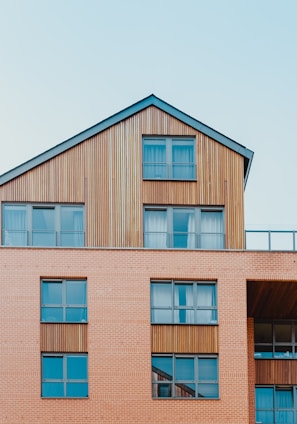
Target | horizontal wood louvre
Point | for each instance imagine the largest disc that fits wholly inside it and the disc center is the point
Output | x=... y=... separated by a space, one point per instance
x=276 y=371
x=105 y=173
x=63 y=338
x=184 y=339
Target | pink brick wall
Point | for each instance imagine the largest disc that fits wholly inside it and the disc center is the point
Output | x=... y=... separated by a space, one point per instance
x=119 y=333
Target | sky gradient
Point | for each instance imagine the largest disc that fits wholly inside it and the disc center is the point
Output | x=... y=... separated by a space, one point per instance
x=232 y=64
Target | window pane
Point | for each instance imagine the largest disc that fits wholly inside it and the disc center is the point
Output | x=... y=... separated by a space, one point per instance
x=263 y=351
x=155 y=229
x=162 y=390
x=208 y=390
x=77 y=367
x=52 y=367
x=205 y=316
x=283 y=352
x=184 y=368
x=264 y=398
x=283 y=332
x=265 y=417
x=212 y=233
x=77 y=390
x=43 y=219
x=52 y=314
x=184 y=390
x=76 y=314
x=183 y=294
x=162 y=367
x=207 y=369
x=14 y=225
x=283 y=398
x=72 y=226
x=206 y=295
x=184 y=228
x=184 y=316
x=161 y=295
x=263 y=332
x=163 y=316
x=52 y=389
x=51 y=293
x=75 y=292
x=183 y=161
x=44 y=238
x=154 y=160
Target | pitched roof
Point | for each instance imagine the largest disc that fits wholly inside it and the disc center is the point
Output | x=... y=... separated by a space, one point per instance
x=151 y=100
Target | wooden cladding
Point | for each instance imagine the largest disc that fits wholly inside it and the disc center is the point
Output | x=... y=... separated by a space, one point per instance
x=105 y=173
x=184 y=339
x=276 y=371
x=63 y=338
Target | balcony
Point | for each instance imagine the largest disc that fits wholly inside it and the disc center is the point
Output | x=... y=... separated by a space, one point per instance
x=273 y=240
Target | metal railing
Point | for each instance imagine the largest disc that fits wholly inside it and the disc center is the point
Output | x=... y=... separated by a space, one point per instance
x=271 y=240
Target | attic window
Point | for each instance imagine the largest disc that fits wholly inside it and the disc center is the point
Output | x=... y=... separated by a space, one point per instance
x=167 y=158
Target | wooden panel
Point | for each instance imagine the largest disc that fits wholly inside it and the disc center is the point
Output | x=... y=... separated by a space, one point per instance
x=184 y=339
x=63 y=337
x=272 y=299
x=105 y=173
x=276 y=371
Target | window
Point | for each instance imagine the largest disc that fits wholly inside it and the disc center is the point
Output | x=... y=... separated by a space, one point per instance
x=276 y=339
x=276 y=404
x=185 y=376
x=64 y=301
x=183 y=228
x=167 y=158
x=64 y=375
x=42 y=225
x=183 y=302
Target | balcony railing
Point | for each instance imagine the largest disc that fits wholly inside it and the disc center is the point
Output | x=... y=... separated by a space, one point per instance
x=271 y=240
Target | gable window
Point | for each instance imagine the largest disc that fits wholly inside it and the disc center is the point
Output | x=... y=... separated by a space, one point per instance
x=185 y=376
x=42 y=225
x=64 y=375
x=183 y=228
x=183 y=302
x=64 y=301
x=275 y=339
x=169 y=158
x=276 y=404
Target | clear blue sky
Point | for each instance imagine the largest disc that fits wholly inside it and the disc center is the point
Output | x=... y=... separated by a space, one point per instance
x=232 y=64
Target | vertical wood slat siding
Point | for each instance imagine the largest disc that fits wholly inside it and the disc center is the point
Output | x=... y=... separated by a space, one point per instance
x=184 y=339
x=276 y=371
x=106 y=172
x=63 y=337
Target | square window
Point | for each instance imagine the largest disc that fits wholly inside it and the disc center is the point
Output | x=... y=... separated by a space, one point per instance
x=169 y=158
x=64 y=375
x=64 y=301
x=180 y=376
x=183 y=302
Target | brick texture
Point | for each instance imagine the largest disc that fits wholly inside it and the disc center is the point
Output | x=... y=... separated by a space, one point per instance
x=119 y=333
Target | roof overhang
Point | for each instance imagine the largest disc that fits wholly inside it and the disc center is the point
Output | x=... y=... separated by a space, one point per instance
x=151 y=100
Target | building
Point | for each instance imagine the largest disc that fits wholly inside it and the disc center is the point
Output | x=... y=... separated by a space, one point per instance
x=127 y=293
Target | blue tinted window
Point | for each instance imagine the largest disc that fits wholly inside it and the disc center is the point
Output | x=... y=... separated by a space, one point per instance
x=65 y=375
x=64 y=301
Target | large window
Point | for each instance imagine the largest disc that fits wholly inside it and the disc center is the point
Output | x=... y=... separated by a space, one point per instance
x=276 y=339
x=183 y=227
x=276 y=405
x=64 y=375
x=167 y=158
x=183 y=302
x=64 y=301
x=185 y=376
x=42 y=225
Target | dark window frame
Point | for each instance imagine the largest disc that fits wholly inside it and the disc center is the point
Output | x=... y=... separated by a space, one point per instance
x=171 y=385
x=177 y=310
x=166 y=170
x=28 y=232
x=277 y=412
x=63 y=305
x=65 y=380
